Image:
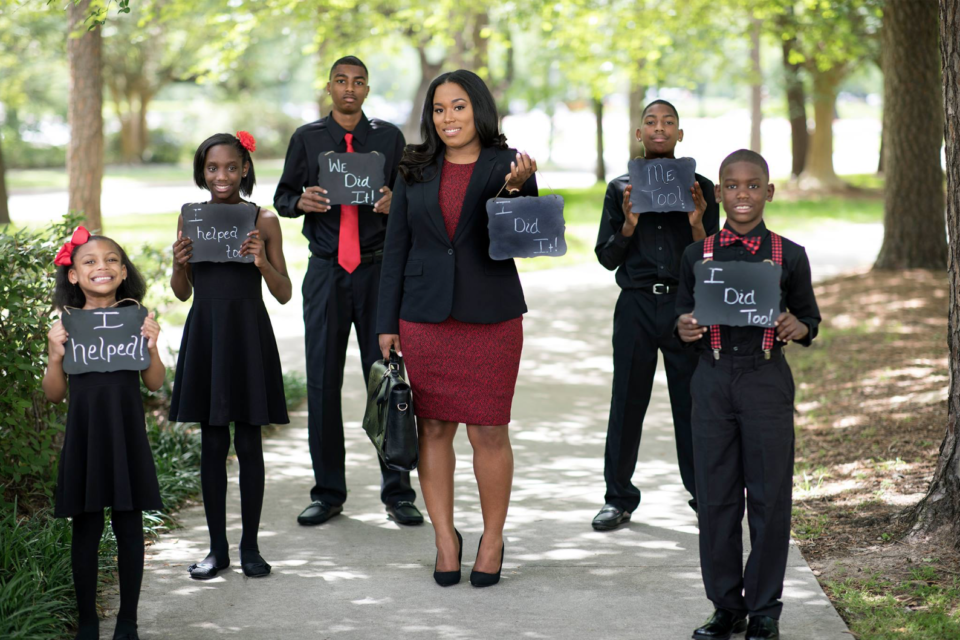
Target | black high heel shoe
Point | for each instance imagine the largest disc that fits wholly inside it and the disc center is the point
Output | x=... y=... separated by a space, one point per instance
x=449 y=578
x=481 y=579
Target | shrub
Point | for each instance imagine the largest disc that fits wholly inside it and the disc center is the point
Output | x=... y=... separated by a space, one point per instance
x=30 y=427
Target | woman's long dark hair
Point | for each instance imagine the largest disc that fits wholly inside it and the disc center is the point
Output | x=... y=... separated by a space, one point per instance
x=67 y=294
x=419 y=157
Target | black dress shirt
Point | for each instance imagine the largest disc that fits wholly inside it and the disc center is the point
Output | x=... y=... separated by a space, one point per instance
x=652 y=254
x=301 y=170
x=795 y=286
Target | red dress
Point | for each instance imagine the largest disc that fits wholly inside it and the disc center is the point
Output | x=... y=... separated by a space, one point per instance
x=461 y=371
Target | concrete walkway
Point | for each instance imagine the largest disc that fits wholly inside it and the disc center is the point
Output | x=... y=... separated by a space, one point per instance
x=361 y=576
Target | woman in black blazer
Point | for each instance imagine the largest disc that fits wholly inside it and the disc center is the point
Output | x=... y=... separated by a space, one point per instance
x=457 y=313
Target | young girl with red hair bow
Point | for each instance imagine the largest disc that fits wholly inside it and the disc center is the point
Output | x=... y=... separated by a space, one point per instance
x=106 y=459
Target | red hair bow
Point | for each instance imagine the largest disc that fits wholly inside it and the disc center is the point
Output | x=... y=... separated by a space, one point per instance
x=79 y=237
x=247 y=141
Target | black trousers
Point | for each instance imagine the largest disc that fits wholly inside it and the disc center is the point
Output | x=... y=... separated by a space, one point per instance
x=642 y=325
x=333 y=300
x=743 y=439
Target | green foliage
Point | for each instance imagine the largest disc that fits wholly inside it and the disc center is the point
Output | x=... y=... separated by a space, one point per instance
x=36 y=588
x=30 y=427
x=294 y=388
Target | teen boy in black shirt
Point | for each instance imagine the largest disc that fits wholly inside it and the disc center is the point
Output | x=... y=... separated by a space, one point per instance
x=342 y=282
x=645 y=249
x=743 y=395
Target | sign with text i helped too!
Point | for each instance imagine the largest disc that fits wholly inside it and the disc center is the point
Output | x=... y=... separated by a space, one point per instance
x=736 y=294
x=662 y=185
x=218 y=230
x=352 y=178
x=105 y=340
x=526 y=227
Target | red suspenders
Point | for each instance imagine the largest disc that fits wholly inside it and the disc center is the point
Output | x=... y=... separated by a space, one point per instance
x=768 y=334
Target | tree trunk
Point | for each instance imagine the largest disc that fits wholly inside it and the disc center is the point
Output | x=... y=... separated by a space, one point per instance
x=4 y=209
x=796 y=109
x=85 y=114
x=144 y=140
x=428 y=71
x=756 y=87
x=941 y=506
x=913 y=223
x=601 y=170
x=637 y=93
x=818 y=172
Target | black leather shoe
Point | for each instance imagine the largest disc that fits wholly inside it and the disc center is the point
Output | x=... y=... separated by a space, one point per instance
x=721 y=625
x=206 y=570
x=449 y=578
x=318 y=512
x=610 y=517
x=404 y=512
x=763 y=628
x=481 y=579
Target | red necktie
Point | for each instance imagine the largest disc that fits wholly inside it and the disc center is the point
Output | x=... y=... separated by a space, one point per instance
x=752 y=243
x=348 y=254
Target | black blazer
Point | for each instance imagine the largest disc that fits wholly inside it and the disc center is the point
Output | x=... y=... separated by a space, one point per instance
x=426 y=277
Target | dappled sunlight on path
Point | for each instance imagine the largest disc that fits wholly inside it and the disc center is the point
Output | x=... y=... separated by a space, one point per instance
x=363 y=576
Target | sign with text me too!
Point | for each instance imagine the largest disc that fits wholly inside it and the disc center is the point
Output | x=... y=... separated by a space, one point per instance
x=662 y=185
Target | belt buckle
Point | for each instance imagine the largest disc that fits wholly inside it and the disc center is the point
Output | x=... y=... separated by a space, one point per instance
x=659 y=291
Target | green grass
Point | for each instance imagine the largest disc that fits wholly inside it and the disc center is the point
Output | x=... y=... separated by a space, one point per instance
x=879 y=609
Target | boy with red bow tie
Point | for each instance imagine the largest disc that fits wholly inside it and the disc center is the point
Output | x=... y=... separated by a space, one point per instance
x=742 y=418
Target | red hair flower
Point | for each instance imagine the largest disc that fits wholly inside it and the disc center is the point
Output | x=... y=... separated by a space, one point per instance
x=247 y=141
x=79 y=237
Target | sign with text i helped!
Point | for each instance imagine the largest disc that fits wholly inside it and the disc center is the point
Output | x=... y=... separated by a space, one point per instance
x=105 y=340
x=218 y=230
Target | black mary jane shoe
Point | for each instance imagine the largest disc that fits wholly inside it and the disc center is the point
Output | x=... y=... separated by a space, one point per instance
x=721 y=625
x=481 y=579
x=206 y=570
x=318 y=512
x=125 y=630
x=449 y=578
x=404 y=512
x=610 y=517
x=256 y=568
x=763 y=628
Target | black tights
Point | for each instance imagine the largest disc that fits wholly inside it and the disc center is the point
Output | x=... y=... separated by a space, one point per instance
x=84 y=553
x=213 y=477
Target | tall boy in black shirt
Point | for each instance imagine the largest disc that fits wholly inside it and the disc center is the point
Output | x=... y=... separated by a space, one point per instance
x=342 y=282
x=743 y=395
x=645 y=250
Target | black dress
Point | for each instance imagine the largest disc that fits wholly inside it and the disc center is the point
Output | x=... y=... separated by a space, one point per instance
x=228 y=369
x=106 y=459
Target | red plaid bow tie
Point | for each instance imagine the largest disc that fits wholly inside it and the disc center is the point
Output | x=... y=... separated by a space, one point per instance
x=728 y=238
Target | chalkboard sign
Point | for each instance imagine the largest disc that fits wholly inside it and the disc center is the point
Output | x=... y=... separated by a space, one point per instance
x=736 y=294
x=105 y=340
x=526 y=227
x=218 y=230
x=662 y=185
x=352 y=178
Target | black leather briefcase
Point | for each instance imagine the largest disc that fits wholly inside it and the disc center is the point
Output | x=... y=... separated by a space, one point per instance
x=389 y=419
